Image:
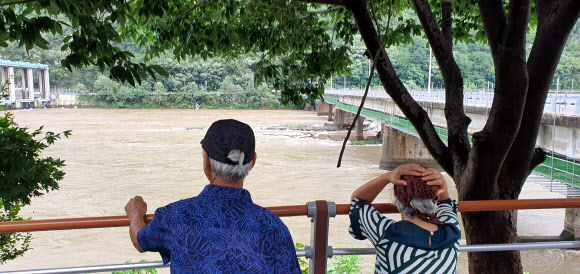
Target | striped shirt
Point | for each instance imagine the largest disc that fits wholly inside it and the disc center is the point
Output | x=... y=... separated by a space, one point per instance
x=403 y=247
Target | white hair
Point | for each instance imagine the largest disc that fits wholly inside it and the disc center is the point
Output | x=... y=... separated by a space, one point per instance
x=427 y=206
x=231 y=173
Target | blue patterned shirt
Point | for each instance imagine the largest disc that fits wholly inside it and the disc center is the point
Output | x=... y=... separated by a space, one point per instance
x=220 y=231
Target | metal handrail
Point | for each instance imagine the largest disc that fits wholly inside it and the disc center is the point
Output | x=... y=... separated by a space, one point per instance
x=567 y=104
x=464 y=206
x=285 y=211
x=92 y=268
x=302 y=253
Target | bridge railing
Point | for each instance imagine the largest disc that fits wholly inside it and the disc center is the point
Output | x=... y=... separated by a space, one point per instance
x=557 y=102
x=554 y=167
x=318 y=252
x=65 y=91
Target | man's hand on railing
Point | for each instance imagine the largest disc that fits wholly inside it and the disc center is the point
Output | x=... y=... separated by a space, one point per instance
x=136 y=209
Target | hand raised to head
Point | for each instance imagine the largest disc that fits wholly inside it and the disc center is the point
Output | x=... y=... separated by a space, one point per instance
x=435 y=178
x=407 y=169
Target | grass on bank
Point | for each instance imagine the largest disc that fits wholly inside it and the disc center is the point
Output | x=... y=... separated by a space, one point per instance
x=366 y=142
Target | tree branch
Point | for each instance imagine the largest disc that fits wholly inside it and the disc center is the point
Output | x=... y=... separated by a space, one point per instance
x=356 y=117
x=395 y=88
x=267 y=6
x=17 y=3
x=341 y=3
x=441 y=43
x=494 y=21
x=201 y=2
x=556 y=19
x=506 y=112
x=310 y=13
x=517 y=25
x=447 y=10
x=370 y=78
x=510 y=64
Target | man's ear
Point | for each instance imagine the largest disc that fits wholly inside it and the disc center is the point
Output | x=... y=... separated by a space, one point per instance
x=254 y=160
x=206 y=166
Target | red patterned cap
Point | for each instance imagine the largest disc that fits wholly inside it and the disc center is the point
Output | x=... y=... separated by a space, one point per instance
x=416 y=188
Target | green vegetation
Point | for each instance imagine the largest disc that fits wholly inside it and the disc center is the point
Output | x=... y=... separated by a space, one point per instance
x=128 y=40
x=12 y=245
x=129 y=47
x=220 y=83
x=23 y=174
x=375 y=141
x=411 y=62
x=336 y=265
x=108 y=93
x=224 y=79
x=345 y=263
x=136 y=271
x=295 y=126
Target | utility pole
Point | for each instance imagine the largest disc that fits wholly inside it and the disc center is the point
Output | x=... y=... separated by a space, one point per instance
x=429 y=81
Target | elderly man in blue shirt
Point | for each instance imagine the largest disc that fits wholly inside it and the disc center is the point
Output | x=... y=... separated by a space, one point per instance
x=221 y=230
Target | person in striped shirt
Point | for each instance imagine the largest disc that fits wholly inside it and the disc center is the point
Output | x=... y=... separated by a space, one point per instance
x=427 y=238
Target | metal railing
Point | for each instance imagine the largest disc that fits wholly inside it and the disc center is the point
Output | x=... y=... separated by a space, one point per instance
x=65 y=91
x=557 y=102
x=318 y=252
x=302 y=253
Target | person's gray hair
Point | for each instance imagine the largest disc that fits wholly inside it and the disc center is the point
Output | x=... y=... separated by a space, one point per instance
x=427 y=206
x=231 y=173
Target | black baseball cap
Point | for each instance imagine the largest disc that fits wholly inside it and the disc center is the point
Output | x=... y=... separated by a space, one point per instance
x=225 y=135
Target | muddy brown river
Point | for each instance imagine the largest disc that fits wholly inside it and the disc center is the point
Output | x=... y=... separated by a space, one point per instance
x=114 y=155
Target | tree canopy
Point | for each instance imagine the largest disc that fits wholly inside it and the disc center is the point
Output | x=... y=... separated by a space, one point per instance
x=294 y=41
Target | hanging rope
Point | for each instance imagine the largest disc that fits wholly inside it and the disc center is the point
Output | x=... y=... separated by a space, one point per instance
x=370 y=77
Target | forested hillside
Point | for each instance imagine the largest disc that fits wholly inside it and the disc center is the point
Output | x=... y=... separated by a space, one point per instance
x=221 y=83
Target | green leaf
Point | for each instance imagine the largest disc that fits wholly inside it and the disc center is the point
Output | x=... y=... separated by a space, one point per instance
x=129 y=77
x=41 y=43
x=160 y=70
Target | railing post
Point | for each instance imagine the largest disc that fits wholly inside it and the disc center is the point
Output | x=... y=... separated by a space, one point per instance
x=318 y=251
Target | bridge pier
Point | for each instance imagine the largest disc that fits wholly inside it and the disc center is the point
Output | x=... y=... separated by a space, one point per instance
x=571 y=224
x=400 y=148
x=339 y=118
x=44 y=87
x=322 y=108
x=359 y=126
x=26 y=96
x=27 y=87
x=330 y=112
x=8 y=76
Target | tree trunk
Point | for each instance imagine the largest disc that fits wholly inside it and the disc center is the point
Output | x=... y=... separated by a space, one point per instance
x=481 y=172
x=395 y=88
x=489 y=228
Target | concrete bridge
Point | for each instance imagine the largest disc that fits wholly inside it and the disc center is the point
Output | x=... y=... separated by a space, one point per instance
x=559 y=134
x=23 y=93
